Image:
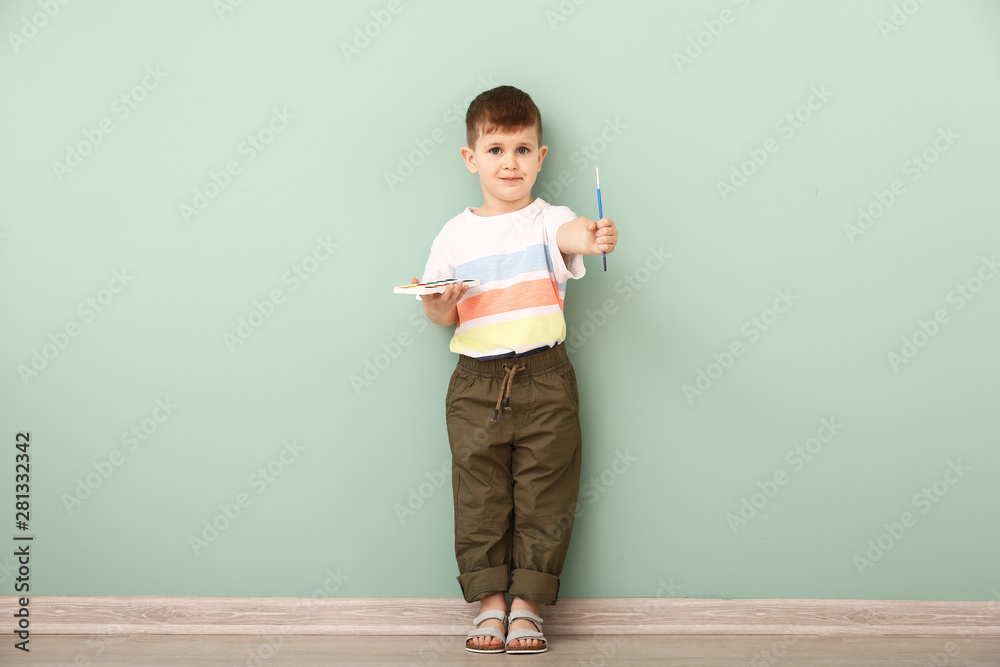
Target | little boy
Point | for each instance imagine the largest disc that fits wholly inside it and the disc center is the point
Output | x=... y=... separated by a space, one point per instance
x=515 y=470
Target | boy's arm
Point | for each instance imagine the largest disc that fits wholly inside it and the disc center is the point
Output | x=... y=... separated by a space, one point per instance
x=582 y=236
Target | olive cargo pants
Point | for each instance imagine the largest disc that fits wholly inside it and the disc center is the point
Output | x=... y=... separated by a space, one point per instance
x=515 y=480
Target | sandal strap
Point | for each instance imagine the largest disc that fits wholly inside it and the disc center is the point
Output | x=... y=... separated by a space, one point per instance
x=528 y=614
x=514 y=635
x=490 y=613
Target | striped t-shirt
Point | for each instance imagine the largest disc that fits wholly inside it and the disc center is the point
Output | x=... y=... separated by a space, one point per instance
x=518 y=305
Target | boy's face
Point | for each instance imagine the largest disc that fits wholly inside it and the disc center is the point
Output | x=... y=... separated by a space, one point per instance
x=507 y=164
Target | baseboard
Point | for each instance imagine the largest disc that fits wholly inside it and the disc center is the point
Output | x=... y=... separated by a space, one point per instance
x=168 y=615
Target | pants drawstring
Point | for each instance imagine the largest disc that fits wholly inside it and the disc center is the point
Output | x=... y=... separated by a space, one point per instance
x=508 y=382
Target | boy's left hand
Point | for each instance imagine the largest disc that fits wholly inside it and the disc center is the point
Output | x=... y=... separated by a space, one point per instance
x=602 y=235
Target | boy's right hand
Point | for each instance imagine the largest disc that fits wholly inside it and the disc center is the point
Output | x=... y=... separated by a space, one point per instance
x=442 y=308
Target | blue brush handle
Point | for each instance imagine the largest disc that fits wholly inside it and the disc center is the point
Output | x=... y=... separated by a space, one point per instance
x=600 y=214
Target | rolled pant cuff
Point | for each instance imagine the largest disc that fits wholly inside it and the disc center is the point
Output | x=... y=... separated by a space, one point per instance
x=534 y=586
x=477 y=585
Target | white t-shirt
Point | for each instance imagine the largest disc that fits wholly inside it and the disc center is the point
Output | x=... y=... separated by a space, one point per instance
x=518 y=305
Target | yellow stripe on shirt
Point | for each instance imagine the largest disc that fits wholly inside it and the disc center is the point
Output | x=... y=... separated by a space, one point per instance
x=541 y=329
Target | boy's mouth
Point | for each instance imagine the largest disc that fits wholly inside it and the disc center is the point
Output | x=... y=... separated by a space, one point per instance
x=510 y=179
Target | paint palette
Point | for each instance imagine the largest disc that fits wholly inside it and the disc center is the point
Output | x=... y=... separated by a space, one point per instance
x=435 y=287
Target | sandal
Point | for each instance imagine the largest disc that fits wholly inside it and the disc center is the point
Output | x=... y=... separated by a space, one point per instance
x=487 y=632
x=526 y=634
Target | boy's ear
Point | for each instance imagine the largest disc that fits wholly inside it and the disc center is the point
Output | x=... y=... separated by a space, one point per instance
x=542 y=150
x=470 y=159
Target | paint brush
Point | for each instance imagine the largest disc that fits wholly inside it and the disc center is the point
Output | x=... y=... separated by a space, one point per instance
x=600 y=212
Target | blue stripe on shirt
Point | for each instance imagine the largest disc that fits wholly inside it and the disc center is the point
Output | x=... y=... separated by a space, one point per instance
x=506 y=266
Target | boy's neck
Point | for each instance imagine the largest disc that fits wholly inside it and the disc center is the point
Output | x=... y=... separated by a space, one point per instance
x=492 y=206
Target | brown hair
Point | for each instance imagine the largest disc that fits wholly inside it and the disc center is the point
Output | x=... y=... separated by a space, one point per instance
x=504 y=108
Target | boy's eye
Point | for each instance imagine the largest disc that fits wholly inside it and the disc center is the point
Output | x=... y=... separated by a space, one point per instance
x=523 y=150
x=495 y=150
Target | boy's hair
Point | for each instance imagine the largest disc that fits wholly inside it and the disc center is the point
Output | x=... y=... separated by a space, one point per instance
x=504 y=109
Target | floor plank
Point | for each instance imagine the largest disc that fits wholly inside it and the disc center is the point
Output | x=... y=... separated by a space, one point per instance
x=189 y=615
x=444 y=651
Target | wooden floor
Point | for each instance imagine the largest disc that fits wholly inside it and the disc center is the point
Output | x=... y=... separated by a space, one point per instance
x=429 y=651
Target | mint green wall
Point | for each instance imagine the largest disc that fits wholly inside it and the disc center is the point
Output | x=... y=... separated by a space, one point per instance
x=747 y=315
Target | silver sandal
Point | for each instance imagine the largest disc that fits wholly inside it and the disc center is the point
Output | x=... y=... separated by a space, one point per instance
x=526 y=634
x=487 y=632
